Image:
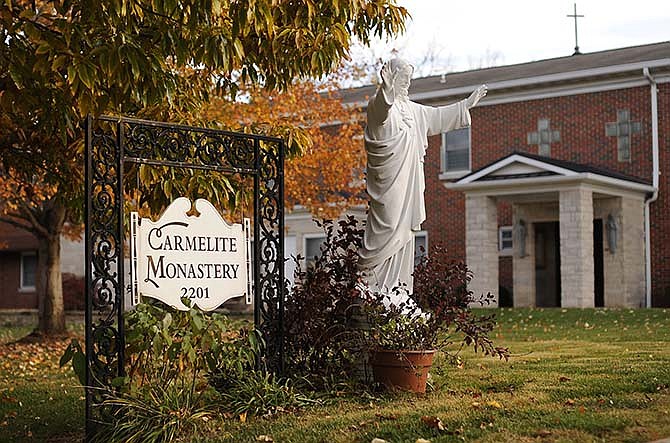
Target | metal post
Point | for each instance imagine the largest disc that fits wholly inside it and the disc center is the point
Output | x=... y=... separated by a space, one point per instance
x=88 y=260
x=280 y=258
x=121 y=288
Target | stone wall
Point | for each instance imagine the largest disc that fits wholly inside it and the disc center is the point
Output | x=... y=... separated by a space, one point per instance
x=576 y=231
x=482 y=244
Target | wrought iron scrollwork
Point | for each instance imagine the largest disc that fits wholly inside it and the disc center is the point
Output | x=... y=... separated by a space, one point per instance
x=111 y=143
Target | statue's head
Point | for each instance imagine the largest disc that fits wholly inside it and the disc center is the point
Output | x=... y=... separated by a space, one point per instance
x=403 y=78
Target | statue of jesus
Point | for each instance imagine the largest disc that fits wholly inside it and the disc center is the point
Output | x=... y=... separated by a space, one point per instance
x=396 y=138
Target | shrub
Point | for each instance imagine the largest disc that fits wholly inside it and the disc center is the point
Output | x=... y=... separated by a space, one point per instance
x=73 y=292
x=441 y=317
x=165 y=394
x=318 y=310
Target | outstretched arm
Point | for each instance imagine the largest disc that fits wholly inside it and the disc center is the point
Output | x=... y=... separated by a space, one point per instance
x=454 y=116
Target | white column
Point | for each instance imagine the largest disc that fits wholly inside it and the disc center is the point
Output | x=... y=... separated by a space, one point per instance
x=576 y=231
x=523 y=267
x=481 y=244
x=631 y=232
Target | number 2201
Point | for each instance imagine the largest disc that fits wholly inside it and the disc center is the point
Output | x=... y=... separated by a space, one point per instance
x=195 y=292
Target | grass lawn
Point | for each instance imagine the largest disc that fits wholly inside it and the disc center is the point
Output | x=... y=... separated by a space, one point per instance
x=574 y=375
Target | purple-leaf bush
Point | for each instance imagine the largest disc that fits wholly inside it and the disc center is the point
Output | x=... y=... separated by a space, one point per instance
x=324 y=308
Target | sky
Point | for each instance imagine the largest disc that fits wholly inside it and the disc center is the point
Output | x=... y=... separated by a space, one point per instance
x=448 y=36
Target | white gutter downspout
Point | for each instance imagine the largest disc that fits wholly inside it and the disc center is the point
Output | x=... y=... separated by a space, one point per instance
x=656 y=173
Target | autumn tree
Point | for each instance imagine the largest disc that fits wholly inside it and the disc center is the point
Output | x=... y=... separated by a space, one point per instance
x=63 y=59
x=327 y=178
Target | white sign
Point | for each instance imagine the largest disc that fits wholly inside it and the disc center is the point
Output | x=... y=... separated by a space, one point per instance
x=200 y=258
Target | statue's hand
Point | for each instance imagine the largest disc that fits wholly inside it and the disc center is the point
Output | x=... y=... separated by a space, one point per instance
x=477 y=95
x=388 y=77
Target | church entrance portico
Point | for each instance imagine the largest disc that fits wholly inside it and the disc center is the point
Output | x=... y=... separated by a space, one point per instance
x=578 y=232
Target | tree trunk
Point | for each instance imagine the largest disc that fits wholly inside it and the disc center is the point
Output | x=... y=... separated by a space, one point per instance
x=49 y=278
x=50 y=287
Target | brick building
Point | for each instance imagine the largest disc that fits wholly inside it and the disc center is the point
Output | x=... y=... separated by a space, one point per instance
x=18 y=270
x=565 y=160
x=558 y=195
x=18 y=263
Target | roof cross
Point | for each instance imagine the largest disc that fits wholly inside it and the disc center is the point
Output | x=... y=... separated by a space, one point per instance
x=575 y=16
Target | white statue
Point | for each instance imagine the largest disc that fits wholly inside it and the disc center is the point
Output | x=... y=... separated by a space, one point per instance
x=396 y=138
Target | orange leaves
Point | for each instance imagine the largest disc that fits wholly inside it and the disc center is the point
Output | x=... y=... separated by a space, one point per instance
x=326 y=158
x=28 y=359
x=18 y=195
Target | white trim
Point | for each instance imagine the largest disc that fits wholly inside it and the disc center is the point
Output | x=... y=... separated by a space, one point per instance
x=301 y=212
x=530 y=185
x=560 y=92
x=549 y=92
x=22 y=286
x=557 y=77
x=504 y=252
x=563 y=91
x=656 y=172
x=512 y=159
x=453 y=175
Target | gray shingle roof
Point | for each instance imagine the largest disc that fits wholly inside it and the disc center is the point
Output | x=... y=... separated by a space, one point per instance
x=594 y=60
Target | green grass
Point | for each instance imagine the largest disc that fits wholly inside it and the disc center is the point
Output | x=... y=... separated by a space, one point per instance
x=574 y=375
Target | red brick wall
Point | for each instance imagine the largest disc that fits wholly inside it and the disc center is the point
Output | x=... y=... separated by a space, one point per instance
x=660 y=210
x=10 y=281
x=499 y=130
x=445 y=209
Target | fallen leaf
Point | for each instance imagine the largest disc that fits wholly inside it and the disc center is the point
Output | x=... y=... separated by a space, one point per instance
x=563 y=378
x=582 y=409
x=542 y=433
x=265 y=438
x=433 y=422
x=386 y=417
x=494 y=404
x=422 y=440
x=378 y=440
x=243 y=417
x=476 y=404
x=569 y=402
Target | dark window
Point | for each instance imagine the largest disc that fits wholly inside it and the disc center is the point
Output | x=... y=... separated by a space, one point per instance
x=28 y=270
x=456 y=150
x=420 y=246
x=313 y=249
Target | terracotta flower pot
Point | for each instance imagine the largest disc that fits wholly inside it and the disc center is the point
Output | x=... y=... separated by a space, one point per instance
x=405 y=370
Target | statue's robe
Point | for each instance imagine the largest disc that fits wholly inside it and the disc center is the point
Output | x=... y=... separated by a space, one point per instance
x=396 y=138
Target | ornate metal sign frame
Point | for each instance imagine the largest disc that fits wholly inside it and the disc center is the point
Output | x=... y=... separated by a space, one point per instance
x=113 y=142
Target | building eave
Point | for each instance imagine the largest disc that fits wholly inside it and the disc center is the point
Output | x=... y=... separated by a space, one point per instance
x=551 y=183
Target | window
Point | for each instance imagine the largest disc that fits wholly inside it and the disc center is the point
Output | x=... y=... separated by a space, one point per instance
x=456 y=150
x=505 y=239
x=28 y=271
x=420 y=241
x=312 y=247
